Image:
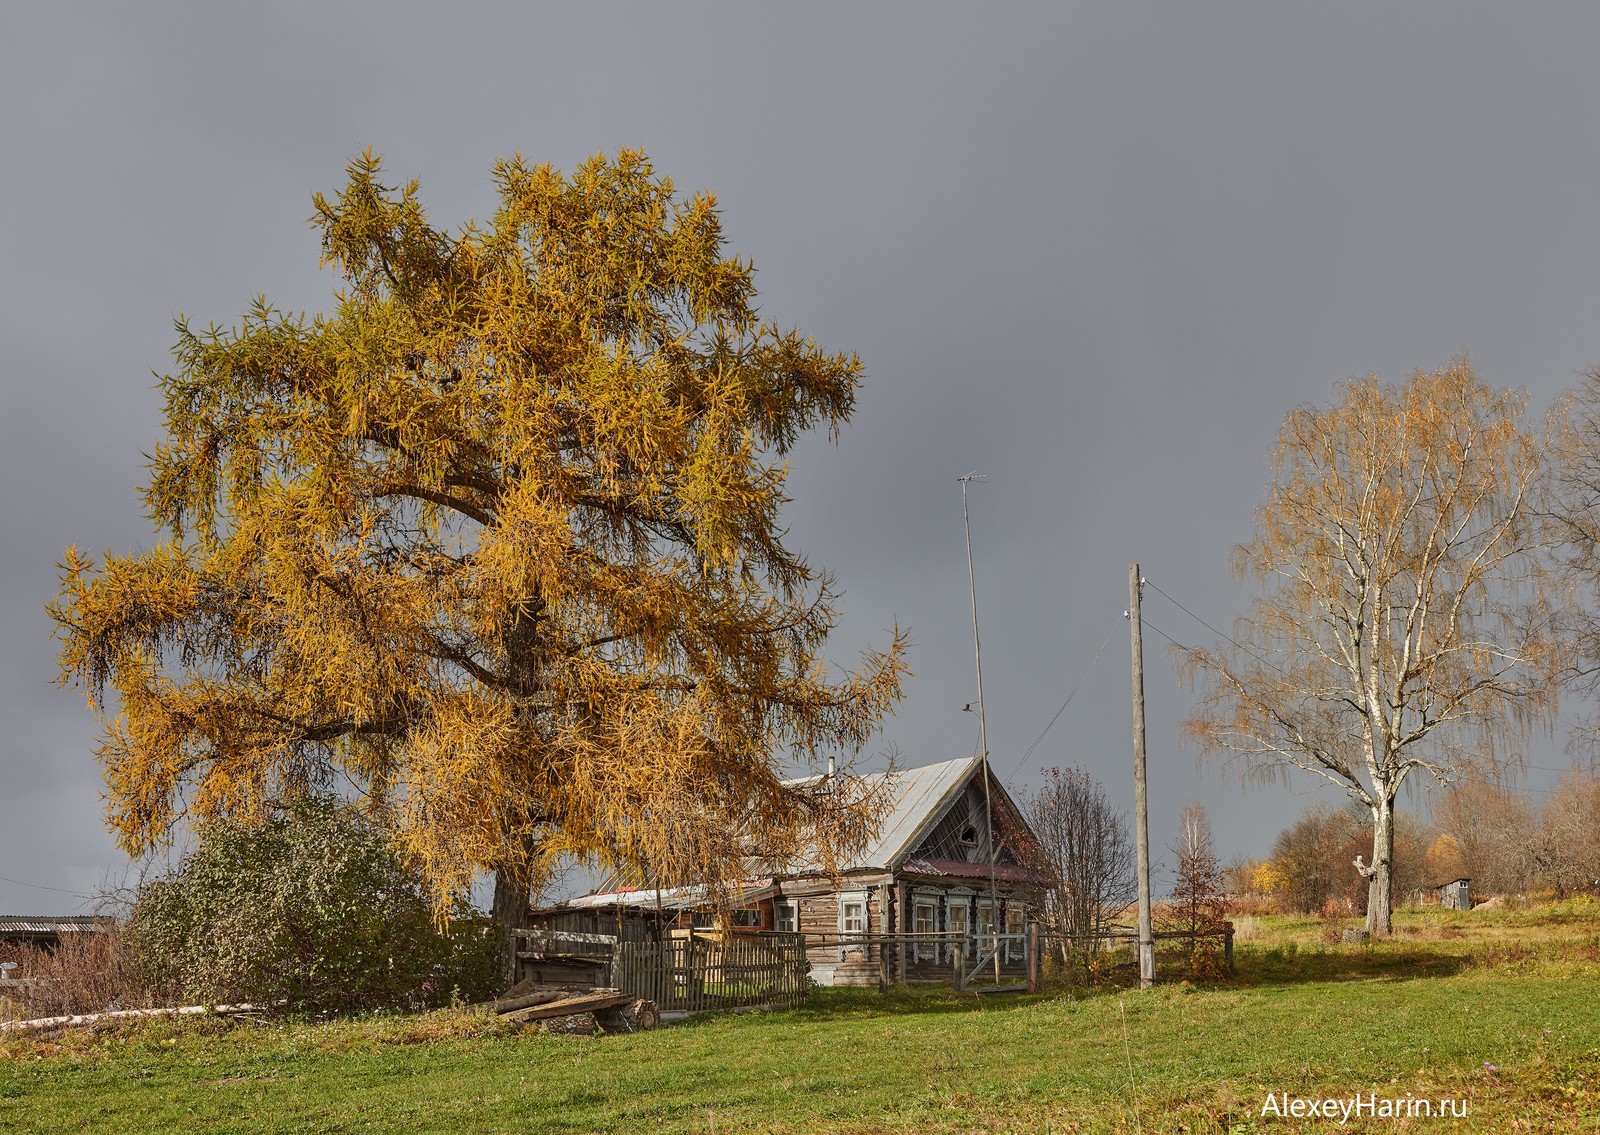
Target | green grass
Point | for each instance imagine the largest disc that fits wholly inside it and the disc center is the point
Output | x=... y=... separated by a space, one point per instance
x=1427 y=1013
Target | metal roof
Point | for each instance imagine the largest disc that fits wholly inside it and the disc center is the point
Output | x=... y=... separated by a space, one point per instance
x=668 y=898
x=50 y=923
x=920 y=796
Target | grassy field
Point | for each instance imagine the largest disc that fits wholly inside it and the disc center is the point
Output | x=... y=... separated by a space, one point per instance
x=1497 y=1010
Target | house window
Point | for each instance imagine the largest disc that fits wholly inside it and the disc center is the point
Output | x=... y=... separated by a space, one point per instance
x=957 y=924
x=986 y=937
x=852 y=918
x=1016 y=944
x=749 y=919
x=925 y=920
x=786 y=916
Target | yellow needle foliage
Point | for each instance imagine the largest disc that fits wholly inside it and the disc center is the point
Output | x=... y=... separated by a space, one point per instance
x=495 y=542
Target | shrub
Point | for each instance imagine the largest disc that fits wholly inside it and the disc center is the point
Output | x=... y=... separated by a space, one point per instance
x=85 y=973
x=313 y=910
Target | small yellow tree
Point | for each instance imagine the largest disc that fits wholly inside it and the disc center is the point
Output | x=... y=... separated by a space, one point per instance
x=1269 y=879
x=1444 y=861
x=497 y=543
x=1403 y=624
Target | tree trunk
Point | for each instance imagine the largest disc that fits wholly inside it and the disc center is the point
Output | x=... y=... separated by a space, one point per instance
x=1380 y=892
x=509 y=913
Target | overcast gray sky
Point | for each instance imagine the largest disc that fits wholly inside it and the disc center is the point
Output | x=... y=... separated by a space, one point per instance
x=1094 y=253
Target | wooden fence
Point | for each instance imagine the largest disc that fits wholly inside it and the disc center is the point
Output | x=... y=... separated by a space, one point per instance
x=1114 y=936
x=700 y=972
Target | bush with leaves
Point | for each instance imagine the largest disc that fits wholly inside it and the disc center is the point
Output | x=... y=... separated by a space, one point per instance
x=312 y=910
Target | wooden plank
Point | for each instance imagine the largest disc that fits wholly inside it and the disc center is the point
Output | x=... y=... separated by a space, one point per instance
x=566 y=1006
x=524 y=1000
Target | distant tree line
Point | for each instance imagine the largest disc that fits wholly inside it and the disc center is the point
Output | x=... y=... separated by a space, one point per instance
x=1498 y=836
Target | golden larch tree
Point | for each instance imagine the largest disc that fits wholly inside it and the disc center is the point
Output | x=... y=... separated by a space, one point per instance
x=1403 y=623
x=495 y=544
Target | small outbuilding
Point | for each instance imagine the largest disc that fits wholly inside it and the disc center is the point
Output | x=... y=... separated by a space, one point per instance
x=1455 y=895
x=48 y=930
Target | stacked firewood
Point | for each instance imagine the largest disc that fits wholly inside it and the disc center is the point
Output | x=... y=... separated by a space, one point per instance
x=576 y=1010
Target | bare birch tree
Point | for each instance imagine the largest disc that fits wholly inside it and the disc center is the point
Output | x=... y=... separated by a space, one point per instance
x=1402 y=624
x=1084 y=846
x=1575 y=517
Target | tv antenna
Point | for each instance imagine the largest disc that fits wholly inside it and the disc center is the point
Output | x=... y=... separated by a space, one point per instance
x=983 y=731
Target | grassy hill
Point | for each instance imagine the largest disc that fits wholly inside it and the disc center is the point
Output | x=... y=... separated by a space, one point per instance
x=1494 y=1010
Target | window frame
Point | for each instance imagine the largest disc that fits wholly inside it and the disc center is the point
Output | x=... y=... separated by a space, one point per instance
x=987 y=939
x=781 y=907
x=958 y=901
x=848 y=899
x=1016 y=947
x=925 y=901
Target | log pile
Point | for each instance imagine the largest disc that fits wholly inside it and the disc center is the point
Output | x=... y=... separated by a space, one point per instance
x=611 y=1010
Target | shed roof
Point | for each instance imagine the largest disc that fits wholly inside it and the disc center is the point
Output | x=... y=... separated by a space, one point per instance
x=50 y=923
x=668 y=898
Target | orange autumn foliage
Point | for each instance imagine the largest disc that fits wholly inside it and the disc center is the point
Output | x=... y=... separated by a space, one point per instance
x=495 y=542
x=1404 y=621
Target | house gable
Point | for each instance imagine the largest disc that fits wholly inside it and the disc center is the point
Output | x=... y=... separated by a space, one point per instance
x=960 y=833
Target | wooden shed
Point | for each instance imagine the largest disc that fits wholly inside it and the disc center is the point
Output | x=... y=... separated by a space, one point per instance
x=1455 y=895
x=47 y=930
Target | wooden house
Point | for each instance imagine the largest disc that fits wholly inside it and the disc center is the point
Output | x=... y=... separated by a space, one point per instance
x=927 y=874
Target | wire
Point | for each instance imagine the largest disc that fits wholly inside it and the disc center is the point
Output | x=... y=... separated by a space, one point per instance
x=1163 y=634
x=39 y=887
x=1188 y=612
x=1212 y=629
x=1063 y=709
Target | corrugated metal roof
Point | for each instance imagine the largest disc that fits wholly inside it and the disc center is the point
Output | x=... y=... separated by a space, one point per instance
x=49 y=923
x=919 y=795
x=668 y=898
x=956 y=868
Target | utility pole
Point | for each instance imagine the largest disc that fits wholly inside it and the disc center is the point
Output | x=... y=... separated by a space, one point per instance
x=1141 y=805
x=983 y=730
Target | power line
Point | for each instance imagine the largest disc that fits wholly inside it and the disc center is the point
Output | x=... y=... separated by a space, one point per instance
x=1212 y=629
x=1085 y=677
x=1164 y=634
x=41 y=887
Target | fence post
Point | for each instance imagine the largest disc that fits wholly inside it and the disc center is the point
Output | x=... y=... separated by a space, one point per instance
x=1031 y=943
x=883 y=966
x=961 y=967
x=1227 y=944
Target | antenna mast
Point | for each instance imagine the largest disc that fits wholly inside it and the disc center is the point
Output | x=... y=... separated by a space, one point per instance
x=983 y=730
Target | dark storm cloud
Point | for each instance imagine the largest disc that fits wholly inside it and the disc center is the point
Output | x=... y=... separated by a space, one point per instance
x=1094 y=255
